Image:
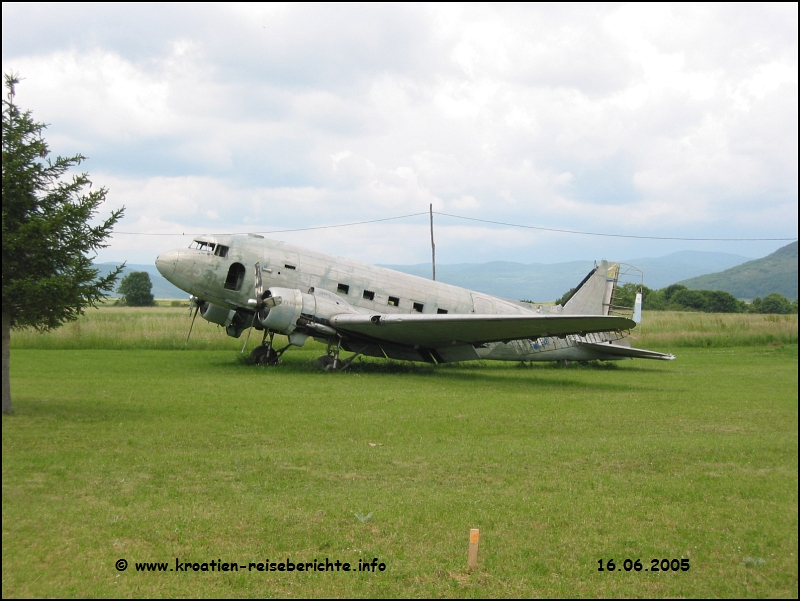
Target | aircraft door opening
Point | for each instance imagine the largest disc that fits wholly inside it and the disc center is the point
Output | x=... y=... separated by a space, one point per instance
x=235 y=277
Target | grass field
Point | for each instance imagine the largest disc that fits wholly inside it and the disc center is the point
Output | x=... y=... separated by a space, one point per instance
x=165 y=328
x=152 y=455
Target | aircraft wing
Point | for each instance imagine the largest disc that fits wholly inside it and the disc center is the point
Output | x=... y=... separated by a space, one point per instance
x=437 y=331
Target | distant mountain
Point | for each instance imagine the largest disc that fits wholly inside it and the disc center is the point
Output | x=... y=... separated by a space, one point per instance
x=505 y=279
x=161 y=287
x=774 y=273
x=540 y=282
x=663 y=271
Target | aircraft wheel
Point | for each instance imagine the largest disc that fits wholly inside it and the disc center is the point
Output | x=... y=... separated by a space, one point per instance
x=325 y=362
x=263 y=355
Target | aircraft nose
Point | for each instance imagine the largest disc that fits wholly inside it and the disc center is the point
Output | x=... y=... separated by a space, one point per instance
x=166 y=262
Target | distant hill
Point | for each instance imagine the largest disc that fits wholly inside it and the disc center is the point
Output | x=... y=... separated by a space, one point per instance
x=541 y=282
x=161 y=287
x=774 y=273
x=663 y=271
x=505 y=279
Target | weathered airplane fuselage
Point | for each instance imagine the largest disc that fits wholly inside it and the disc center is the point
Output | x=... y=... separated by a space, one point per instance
x=213 y=278
x=219 y=270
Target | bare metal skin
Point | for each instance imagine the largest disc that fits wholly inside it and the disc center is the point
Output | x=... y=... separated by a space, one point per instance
x=246 y=281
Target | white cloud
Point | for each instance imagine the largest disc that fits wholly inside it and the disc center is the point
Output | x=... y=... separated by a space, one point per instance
x=630 y=118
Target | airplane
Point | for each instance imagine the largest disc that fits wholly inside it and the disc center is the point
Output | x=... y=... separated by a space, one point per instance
x=374 y=311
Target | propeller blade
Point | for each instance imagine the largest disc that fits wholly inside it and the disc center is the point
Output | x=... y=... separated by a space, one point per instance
x=246 y=340
x=259 y=283
x=196 y=311
x=259 y=290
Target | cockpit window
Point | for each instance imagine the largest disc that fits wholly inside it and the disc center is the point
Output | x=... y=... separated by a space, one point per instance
x=221 y=251
x=201 y=245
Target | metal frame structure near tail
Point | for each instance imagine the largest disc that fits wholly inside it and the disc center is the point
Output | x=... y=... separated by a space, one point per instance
x=370 y=310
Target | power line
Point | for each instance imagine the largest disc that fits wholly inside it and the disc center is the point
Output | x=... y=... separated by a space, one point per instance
x=549 y=229
x=299 y=229
x=530 y=227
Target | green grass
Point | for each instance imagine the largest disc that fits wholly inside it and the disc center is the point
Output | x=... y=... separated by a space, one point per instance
x=676 y=329
x=165 y=328
x=150 y=456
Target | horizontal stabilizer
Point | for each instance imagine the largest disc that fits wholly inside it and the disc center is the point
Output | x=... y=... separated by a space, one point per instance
x=617 y=350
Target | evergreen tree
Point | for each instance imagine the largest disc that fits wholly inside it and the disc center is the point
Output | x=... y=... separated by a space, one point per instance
x=47 y=239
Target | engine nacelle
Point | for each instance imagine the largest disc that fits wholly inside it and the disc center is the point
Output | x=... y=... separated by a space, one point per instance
x=292 y=308
x=234 y=322
x=216 y=314
x=283 y=316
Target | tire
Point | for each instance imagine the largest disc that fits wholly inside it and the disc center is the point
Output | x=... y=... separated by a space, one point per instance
x=325 y=362
x=263 y=355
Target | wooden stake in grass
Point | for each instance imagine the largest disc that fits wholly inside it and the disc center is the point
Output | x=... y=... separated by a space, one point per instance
x=472 y=557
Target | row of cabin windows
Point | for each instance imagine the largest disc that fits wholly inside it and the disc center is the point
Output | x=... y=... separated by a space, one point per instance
x=236 y=275
x=393 y=301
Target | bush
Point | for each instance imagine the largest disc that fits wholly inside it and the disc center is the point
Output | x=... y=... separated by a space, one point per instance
x=689 y=299
x=136 y=290
x=775 y=303
x=719 y=301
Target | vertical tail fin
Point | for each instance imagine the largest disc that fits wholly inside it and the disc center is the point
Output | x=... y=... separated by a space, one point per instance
x=593 y=295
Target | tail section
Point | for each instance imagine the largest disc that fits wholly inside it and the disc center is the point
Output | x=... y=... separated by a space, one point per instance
x=594 y=294
x=609 y=289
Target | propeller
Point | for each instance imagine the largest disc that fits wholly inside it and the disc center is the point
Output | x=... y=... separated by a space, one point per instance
x=196 y=302
x=258 y=304
x=259 y=283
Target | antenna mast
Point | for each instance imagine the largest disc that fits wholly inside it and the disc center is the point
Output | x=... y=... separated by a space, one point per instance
x=433 y=246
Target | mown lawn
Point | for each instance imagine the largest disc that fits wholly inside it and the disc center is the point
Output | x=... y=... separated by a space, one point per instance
x=152 y=455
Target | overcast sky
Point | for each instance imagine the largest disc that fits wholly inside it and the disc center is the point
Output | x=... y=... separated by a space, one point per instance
x=650 y=120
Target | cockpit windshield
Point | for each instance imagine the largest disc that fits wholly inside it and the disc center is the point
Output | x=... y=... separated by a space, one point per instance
x=218 y=249
x=202 y=245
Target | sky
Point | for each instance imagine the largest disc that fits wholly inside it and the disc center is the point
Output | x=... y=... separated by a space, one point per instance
x=632 y=119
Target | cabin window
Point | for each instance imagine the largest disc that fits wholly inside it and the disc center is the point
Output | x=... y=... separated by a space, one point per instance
x=418 y=307
x=441 y=311
x=287 y=266
x=343 y=289
x=235 y=277
x=369 y=295
x=221 y=251
x=394 y=301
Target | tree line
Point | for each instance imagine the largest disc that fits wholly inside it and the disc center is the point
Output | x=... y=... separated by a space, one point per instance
x=678 y=297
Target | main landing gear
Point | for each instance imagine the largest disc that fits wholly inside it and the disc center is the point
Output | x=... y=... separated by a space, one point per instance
x=331 y=362
x=265 y=354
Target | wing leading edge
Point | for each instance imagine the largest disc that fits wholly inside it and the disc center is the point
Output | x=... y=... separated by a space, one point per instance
x=438 y=331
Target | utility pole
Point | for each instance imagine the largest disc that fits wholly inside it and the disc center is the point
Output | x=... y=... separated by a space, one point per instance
x=433 y=246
